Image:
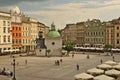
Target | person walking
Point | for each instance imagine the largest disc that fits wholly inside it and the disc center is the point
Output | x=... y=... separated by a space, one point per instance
x=26 y=62
x=58 y=63
x=73 y=55
x=77 y=67
x=113 y=58
x=88 y=56
x=101 y=61
x=61 y=60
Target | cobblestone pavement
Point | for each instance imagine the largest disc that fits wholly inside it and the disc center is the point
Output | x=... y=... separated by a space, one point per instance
x=43 y=68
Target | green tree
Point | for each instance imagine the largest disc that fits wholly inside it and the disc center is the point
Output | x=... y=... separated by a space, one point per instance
x=107 y=47
x=48 y=51
x=69 y=48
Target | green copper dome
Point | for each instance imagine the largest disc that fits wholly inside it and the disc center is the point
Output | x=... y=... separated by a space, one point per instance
x=53 y=34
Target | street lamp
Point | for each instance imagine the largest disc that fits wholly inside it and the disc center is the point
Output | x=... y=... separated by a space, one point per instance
x=14 y=68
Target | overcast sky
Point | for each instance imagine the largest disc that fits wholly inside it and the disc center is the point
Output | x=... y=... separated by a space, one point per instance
x=63 y=12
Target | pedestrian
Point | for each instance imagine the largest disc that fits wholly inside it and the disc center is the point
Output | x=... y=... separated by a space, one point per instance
x=58 y=63
x=113 y=58
x=101 y=61
x=55 y=62
x=61 y=60
x=88 y=56
x=73 y=55
x=77 y=67
x=26 y=62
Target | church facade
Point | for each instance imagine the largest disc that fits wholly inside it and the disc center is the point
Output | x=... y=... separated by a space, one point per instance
x=52 y=42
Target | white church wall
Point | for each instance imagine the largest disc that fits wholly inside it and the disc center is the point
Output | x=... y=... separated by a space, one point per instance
x=40 y=52
x=55 y=45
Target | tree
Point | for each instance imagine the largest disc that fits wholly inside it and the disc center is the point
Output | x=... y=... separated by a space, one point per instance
x=48 y=51
x=69 y=48
x=107 y=47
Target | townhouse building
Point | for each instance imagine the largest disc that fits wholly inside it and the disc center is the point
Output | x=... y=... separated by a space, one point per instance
x=95 y=33
x=69 y=34
x=5 y=32
x=16 y=28
x=42 y=28
x=80 y=33
x=33 y=33
x=26 y=37
x=113 y=33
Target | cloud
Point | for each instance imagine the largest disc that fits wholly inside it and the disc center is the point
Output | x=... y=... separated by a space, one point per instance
x=16 y=2
x=75 y=12
x=67 y=12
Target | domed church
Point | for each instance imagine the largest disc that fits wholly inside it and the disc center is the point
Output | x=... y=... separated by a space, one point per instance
x=53 y=42
x=51 y=45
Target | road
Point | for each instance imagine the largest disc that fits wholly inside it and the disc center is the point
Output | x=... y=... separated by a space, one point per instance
x=43 y=68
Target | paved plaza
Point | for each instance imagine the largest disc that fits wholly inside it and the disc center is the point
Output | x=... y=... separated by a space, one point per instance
x=44 y=68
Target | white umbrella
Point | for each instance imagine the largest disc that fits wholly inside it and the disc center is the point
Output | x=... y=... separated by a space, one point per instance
x=95 y=71
x=112 y=72
x=103 y=77
x=117 y=66
x=83 y=76
x=110 y=62
x=104 y=66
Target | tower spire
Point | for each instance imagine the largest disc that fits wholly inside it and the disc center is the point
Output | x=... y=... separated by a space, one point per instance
x=52 y=26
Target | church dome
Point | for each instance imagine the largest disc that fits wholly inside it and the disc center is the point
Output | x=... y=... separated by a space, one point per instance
x=53 y=34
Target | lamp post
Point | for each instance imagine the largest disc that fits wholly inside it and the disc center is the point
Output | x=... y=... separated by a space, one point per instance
x=14 y=68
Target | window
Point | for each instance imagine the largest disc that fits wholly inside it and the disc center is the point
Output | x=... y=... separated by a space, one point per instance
x=4 y=38
x=4 y=23
x=13 y=41
x=13 y=34
x=117 y=27
x=19 y=40
x=117 y=41
x=16 y=40
x=16 y=34
x=117 y=34
x=8 y=38
x=9 y=30
x=8 y=23
x=53 y=43
x=4 y=29
x=102 y=33
x=4 y=48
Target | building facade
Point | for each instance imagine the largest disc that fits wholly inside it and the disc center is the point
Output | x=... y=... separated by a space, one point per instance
x=42 y=28
x=113 y=33
x=110 y=40
x=95 y=33
x=33 y=33
x=80 y=34
x=16 y=28
x=69 y=34
x=26 y=37
x=5 y=34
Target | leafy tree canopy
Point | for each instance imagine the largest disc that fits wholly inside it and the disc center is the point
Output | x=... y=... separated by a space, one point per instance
x=69 y=48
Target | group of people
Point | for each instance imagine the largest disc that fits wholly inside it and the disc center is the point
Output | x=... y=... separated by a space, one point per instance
x=6 y=72
x=57 y=62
